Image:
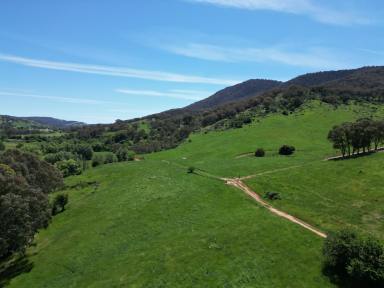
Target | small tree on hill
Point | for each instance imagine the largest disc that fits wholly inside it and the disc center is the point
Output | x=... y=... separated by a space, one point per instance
x=260 y=152
x=286 y=150
x=59 y=203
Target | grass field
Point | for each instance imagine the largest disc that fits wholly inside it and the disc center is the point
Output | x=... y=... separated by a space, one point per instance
x=150 y=224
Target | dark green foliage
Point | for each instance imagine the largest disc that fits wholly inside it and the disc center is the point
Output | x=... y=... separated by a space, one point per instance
x=97 y=160
x=110 y=158
x=354 y=259
x=39 y=174
x=2 y=146
x=52 y=158
x=59 y=203
x=69 y=167
x=124 y=154
x=191 y=170
x=286 y=150
x=272 y=196
x=362 y=135
x=24 y=206
x=84 y=151
x=260 y=152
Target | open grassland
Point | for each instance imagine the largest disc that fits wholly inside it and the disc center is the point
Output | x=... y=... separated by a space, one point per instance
x=307 y=129
x=331 y=194
x=150 y=224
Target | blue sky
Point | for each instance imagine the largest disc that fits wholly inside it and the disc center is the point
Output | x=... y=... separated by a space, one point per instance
x=97 y=61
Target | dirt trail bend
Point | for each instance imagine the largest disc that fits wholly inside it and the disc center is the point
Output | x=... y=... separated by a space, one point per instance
x=241 y=185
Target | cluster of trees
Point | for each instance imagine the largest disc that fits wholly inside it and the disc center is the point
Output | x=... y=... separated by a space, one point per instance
x=25 y=182
x=362 y=135
x=354 y=260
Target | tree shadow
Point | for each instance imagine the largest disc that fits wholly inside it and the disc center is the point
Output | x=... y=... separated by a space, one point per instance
x=354 y=156
x=12 y=267
x=343 y=281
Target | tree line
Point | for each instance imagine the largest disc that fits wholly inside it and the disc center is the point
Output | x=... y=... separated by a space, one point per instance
x=364 y=135
x=25 y=182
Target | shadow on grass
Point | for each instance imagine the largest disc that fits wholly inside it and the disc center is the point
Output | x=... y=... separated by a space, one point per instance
x=354 y=156
x=12 y=267
x=347 y=282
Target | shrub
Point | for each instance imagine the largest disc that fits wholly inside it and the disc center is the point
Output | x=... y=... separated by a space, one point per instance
x=123 y=154
x=2 y=146
x=69 y=167
x=354 y=259
x=286 y=150
x=272 y=196
x=191 y=169
x=52 y=158
x=260 y=152
x=110 y=158
x=59 y=203
x=97 y=160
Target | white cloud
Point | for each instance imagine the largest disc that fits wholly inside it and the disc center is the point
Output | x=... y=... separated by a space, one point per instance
x=178 y=94
x=300 y=7
x=59 y=98
x=317 y=58
x=114 y=71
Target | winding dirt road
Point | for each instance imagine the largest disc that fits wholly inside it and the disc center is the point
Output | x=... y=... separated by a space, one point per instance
x=236 y=182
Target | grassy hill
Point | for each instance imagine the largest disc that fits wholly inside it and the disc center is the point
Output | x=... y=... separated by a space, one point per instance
x=150 y=224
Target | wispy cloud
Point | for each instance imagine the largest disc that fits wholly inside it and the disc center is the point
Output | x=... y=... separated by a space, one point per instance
x=318 y=58
x=300 y=7
x=59 y=98
x=114 y=71
x=178 y=94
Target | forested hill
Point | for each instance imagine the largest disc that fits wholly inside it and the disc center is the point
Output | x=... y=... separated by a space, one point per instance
x=365 y=77
x=53 y=122
x=169 y=128
x=33 y=123
x=237 y=92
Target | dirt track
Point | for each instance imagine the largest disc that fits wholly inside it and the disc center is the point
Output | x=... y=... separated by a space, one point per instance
x=236 y=182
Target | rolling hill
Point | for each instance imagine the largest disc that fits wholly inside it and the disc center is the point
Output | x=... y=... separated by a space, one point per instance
x=151 y=224
x=237 y=92
x=38 y=122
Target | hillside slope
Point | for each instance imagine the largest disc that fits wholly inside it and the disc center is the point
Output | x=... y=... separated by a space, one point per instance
x=237 y=92
x=152 y=224
x=54 y=122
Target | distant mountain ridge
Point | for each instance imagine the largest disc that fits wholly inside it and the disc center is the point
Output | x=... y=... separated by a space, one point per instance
x=54 y=122
x=39 y=122
x=371 y=77
x=244 y=90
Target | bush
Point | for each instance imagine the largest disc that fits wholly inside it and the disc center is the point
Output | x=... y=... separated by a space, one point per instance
x=59 y=203
x=2 y=146
x=286 y=150
x=53 y=158
x=110 y=158
x=272 y=196
x=69 y=167
x=191 y=169
x=123 y=154
x=260 y=152
x=354 y=259
x=97 y=160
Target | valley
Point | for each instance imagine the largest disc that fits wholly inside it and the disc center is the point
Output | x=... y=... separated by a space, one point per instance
x=167 y=227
